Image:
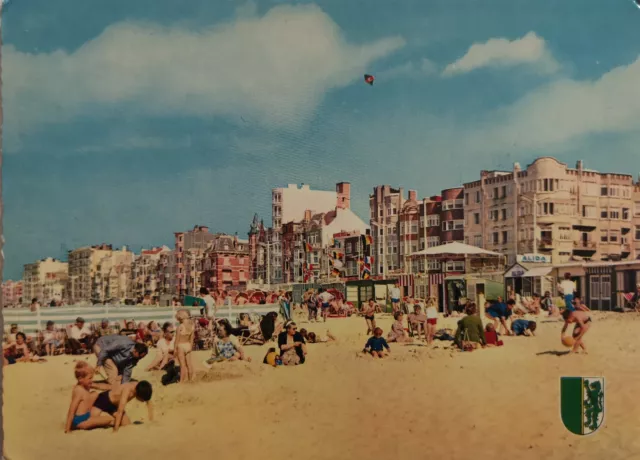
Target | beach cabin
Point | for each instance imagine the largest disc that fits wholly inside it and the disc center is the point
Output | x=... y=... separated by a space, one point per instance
x=528 y=279
x=359 y=291
x=463 y=288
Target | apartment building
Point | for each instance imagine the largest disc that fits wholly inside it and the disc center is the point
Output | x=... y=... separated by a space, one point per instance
x=146 y=272
x=289 y=205
x=83 y=263
x=358 y=259
x=226 y=263
x=12 y=293
x=44 y=280
x=166 y=273
x=552 y=209
x=196 y=239
x=112 y=280
x=385 y=205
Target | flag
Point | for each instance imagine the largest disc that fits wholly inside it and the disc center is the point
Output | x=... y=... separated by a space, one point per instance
x=335 y=272
x=308 y=247
x=368 y=239
x=582 y=404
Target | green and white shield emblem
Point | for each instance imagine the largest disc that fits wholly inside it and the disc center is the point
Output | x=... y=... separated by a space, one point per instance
x=582 y=404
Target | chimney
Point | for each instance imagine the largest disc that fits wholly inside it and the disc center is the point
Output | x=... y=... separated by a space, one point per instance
x=307 y=215
x=343 y=190
x=413 y=195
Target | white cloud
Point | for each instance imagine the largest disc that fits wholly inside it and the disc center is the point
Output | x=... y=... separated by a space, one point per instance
x=276 y=68
x=409 y=69
x=500 y=52
x=567 y=110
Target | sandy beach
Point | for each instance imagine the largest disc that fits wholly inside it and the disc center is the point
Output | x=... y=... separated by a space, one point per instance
x=419 y=403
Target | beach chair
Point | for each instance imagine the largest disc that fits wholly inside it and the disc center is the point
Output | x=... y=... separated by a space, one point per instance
x=264 y=334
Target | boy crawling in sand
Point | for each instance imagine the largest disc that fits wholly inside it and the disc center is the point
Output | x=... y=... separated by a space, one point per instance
x=79 y=415
x=113 y=402
x=376 y=345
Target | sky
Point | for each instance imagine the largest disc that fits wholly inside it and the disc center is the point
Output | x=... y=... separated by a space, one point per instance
x=128 y=120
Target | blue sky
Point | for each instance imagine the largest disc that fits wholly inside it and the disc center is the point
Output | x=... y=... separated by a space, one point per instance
x=131 y=119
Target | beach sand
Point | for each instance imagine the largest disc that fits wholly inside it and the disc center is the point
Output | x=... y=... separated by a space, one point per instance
x=421 y=402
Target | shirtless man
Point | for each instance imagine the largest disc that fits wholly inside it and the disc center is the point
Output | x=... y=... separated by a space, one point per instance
x=582 y=323
x=113 y=402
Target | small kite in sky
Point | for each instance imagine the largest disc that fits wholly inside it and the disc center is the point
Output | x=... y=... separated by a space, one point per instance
x=370 y=78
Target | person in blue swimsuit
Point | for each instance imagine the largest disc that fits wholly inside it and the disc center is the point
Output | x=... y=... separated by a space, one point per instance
x=523 y=327
x=377 y=344
x=500 y=313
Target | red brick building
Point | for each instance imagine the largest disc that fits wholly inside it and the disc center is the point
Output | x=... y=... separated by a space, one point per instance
x=226 y=263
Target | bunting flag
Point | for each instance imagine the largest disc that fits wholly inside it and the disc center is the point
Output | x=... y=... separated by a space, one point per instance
x=368 y=239
x=335 y=272
x=308 y=247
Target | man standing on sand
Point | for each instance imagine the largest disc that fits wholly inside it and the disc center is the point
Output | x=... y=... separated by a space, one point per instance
x=568 y=289
x=394 y=293
x=118 y=355
x=582 y=323
x=210 y=303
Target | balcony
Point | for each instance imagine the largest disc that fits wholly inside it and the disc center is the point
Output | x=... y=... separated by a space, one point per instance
x=585 y=248
x=545 y=244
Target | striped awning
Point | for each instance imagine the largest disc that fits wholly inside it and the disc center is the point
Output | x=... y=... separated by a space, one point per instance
x=405 y=280
x=436 y=278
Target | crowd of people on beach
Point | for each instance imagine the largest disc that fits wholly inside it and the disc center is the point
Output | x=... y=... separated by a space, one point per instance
x=102 y=403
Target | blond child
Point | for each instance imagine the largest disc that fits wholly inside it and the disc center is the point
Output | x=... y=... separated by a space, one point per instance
x=432 y=319
x=184 y=345
x=79 y=414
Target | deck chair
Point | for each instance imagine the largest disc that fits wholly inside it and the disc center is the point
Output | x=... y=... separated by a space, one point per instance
x=264 y=334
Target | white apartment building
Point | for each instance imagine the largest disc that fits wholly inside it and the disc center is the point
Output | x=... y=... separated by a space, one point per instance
x=146 y=272
x=112 y=278
x=44 y=280
x=83 y=263
x=289 y=204
x=552 y=209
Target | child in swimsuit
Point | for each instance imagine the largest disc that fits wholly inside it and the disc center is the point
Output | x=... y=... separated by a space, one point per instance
x=184 y=345
x=369 y=311
x=111 y=404
x=377 y=344
x=79 y=415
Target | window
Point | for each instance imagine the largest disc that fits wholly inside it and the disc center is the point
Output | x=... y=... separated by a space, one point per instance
x=504 y=214
x=448 y=225
x=547 y=209
x=433 y=220
x=414 y=228
x=495 y=238
x=603 y=214
x=466 y=199
x=604 y=191
x=614 y=236
x=476 y=218
x=477 y=241
x=454 y=266
x=504 y=191
x=433 y=241
x=637 y=232
x=380 y=231
x=505 y=237
x=493 y=215
x=458 y=204
x=495 y=193
x=458 y=224
x=478 y=197
x=433 y=264
x=614 y=213
x=565 y=233
x=636 y=210
x=625 y=213
x=589 y=211
x=449 y=204
x=603 y=236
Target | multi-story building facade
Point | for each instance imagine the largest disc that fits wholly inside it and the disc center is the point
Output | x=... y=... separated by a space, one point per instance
x=166 y=272
x=357 y=254
x=198 y=238
x=226 y=263
x=293 y=238
x=83 y=263
x=44 y=280
x=12 y=293
x=551 y=209
x=112 y=279
x=146 y=272
x=385 y=205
